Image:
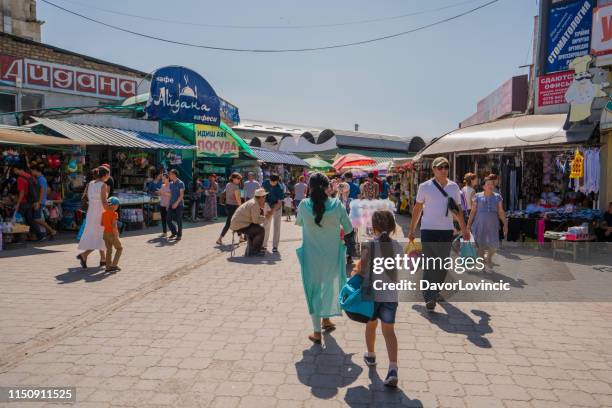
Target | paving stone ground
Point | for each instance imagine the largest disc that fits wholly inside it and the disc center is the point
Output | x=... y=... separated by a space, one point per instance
x=188 y=326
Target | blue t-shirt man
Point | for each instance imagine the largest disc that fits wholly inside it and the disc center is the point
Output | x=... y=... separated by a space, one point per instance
x=275 y=193
x=42 y=182
x=353 y=190
x=385 y=190
x=175 y=190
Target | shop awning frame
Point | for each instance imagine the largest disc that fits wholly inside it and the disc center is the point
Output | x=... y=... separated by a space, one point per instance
x=104 y=136
x=278 y=157
x=522 y=132
x=26 y=138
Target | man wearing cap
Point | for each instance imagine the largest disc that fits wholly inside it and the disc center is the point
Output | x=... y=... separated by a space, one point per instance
x=433 y=200
x=247 y=220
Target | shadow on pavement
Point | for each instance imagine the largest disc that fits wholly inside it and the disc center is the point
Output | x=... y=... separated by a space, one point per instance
x=377 y=395
x=457 y=322
x=161 y=242
x=25 y=251
x=267 y=259
x=327 y=368
x=494 y=276
x=86 y=275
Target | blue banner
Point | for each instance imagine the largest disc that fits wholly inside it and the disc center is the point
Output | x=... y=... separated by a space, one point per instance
x=569 y=34
x=182 y=95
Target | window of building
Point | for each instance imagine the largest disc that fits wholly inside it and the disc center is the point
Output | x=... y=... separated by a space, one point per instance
x=7 y=102
x=32 y=101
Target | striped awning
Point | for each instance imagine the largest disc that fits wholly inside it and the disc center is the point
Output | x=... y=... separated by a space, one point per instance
x=104 y=136
x=278 y=157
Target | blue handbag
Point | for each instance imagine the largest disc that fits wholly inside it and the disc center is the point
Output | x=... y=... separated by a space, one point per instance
x=467 y=249
x=351 y=301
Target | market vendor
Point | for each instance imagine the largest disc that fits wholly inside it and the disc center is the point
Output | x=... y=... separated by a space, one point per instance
x=604 y=231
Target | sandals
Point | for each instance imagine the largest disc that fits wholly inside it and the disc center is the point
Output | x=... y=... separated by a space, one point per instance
x=82 y=261
x=314 y=339
x=329 y=327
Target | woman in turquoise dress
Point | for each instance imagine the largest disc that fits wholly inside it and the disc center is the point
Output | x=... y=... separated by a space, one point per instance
x=322 y=255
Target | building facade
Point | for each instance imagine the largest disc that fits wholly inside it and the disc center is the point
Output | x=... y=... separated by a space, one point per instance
x=36 y=76
x=18 y=17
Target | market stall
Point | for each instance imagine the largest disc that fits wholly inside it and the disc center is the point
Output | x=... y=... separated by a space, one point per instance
x=58 y=161
x=533 y=157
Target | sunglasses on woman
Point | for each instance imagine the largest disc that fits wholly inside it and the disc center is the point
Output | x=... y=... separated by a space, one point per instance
x=444 y=167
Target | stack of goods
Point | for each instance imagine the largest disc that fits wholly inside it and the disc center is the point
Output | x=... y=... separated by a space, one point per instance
x=132 y=215
x=133 y=198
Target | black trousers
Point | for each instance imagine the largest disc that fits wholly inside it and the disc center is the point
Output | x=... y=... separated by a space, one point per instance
x=176 y=215
x=437 y=245
x=230 y=209
x=27 y=211
x=164 y=218
x=255 y=235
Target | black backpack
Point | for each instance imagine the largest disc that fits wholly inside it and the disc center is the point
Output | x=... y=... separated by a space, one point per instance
x=33 y=190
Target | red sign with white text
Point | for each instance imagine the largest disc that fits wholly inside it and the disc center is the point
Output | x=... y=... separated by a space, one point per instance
x=601 y=33
x=53 y=77
x=552 y=88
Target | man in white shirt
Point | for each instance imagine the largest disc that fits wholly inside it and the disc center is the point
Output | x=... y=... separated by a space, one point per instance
x=437 y=223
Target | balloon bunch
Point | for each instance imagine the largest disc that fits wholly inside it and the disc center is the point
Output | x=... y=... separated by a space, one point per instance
x=54 y=161
x=10 y=157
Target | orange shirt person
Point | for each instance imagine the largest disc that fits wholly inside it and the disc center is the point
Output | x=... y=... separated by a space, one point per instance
x=111 y=234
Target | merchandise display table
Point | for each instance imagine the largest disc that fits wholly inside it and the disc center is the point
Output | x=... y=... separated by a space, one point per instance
x=564 y=246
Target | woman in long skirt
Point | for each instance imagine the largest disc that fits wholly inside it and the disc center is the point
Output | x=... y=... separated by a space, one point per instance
x=487 y=211
x=210 y=205
x=92 y=238
x=322 y=255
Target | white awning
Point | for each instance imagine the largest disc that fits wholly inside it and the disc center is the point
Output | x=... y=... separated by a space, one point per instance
x=512 y=133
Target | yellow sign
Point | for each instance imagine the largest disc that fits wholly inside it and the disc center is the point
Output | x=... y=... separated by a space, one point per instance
x=577 y=165
x=212 y=141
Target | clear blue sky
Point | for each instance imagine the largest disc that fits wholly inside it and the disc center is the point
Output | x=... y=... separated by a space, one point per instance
x=420 y=84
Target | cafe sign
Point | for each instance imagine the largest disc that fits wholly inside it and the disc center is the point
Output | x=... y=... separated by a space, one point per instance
x=212 y=141
x=182 y=95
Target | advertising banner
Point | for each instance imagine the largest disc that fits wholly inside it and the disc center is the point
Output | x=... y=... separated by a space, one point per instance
x=569 y=34
x=552 y=88
x=182 y=95
x=601 y=36
x=212 y=141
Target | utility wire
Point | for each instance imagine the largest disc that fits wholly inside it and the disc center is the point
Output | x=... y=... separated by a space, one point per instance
x=286 y=27
x=264 y=50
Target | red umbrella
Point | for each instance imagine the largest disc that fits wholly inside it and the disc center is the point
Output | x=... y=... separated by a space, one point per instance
x=352 y=160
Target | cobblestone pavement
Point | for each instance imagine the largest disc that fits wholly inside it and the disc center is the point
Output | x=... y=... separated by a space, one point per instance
x=189 y=326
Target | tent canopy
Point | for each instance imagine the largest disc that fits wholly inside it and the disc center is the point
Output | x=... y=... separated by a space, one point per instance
x=517 y=132
x=352 y=160
x=317 y=163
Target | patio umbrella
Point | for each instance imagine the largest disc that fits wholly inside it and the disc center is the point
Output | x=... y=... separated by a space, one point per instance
x=352 y=160
x=316 y=163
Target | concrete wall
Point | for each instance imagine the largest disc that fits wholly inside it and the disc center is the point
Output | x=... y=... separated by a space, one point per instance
x=18 y=17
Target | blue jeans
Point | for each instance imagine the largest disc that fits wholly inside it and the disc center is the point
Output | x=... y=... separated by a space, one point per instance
x=385 y=311
x=436 y=244
x=27 y=211
x=176 y=214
